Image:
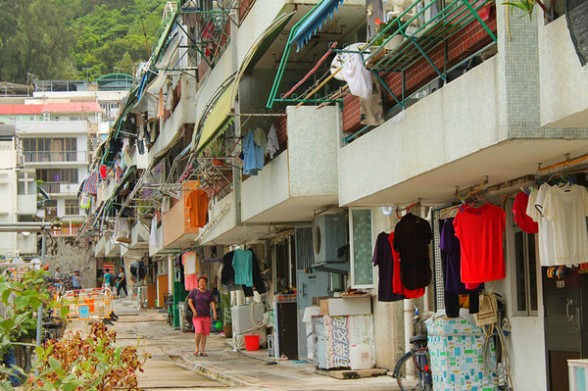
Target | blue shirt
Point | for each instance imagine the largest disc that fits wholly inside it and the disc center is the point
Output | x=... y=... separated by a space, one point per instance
x=107 y=279
x=242 y=264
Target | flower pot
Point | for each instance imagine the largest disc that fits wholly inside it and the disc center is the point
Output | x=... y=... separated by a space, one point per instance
x=394 y=42
x=228 y=330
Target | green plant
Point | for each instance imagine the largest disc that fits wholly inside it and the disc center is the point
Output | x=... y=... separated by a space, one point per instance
x=527 y=6
x=226 y=307
x=87 y=363
x=385 y=29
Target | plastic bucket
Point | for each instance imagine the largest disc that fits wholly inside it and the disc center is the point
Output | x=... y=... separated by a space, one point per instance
x=251 y=342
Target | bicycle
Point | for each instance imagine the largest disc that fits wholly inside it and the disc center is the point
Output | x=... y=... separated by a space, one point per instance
x=419 y=356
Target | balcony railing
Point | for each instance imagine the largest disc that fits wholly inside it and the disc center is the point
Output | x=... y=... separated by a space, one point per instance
x=59 y=187
x=54 y=157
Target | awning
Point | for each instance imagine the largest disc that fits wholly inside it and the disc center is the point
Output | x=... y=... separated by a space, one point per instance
x=90 y=182
x=313 y=21
x=218 y=115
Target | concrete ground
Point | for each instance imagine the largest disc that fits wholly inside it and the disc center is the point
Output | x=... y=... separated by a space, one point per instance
x=174 y=367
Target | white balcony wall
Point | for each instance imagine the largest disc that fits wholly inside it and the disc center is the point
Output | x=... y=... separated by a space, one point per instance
x=434 y=132
x=564 y=82
x=53 y=128
x=139 y=235
x=222 y=217
x=26 y=244
x=155 y=248
x=112 y=248
x=305 y=174
x=100 y=247
x=27 y=204
x=184 y=113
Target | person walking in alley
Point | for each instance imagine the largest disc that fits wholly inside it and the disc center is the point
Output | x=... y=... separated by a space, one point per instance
x=107 y=279
x=201 y=301
x=76 y=283
x=122 y=283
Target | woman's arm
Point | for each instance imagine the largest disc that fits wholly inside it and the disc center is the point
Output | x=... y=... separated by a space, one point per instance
x=191 y=304
x=213 y=305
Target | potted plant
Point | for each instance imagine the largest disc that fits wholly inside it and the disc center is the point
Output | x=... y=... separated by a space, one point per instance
x=386 y=33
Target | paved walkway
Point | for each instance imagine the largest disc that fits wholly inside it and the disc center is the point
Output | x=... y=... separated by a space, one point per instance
x=223 y=367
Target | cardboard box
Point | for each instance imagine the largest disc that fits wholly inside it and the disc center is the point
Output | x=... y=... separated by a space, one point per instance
x=346 y=306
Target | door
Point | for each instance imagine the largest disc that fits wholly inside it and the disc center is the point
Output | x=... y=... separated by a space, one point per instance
x=288 y=330
x=309 y=286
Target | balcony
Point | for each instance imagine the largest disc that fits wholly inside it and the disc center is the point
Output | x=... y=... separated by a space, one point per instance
x=183 y=114
x=60 y=188
x=27 y=204
x=45 y=158
x=155 y=247
x=139 y=242
x=100 y=247
x=52 y=128
x=177 y=230
x=564 y=86
x=290 y=188
x=26 y=244
x=111 y=248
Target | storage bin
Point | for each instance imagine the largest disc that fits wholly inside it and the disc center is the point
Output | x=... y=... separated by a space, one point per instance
x=456 y=350
x=360 y=357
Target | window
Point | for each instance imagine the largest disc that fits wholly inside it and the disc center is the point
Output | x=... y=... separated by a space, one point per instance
x=72 y=208
x=360 y=227
x=63 y=175
x=41 y=150
x=526 y=273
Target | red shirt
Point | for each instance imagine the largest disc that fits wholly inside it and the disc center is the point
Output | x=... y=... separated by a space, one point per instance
x=519 y=212
x=480 y=236
x=397 y=285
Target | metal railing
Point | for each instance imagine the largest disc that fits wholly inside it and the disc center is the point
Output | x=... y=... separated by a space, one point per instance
x=54 y=156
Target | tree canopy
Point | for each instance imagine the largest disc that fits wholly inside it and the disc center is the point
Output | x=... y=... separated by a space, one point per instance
x=75 y=39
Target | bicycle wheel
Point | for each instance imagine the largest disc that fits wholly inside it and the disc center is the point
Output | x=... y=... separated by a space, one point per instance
x=418 y=383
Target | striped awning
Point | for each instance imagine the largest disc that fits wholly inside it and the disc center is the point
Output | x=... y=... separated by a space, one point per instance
x=90 y=183
x=313 y=21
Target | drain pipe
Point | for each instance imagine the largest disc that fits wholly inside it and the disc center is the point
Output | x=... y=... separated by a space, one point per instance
x=408 y=331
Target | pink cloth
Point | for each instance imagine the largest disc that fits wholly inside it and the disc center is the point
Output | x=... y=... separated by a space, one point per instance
x=202 y=325
x=190 y=281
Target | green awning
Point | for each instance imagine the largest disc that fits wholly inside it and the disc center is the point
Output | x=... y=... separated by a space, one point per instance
x=218 y=117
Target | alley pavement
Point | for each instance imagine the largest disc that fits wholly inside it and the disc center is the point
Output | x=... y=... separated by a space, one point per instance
x=173 y=367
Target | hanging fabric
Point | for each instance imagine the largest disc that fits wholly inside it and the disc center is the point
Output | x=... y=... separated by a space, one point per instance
x=197 y=203
x=479 y=231
x=397 y=285
x=519 y=212
x=242 y=264
x=272 y=142
x=382 y=258
x=411 y=240
x=189 y=261
x=535 y=211
x=565 y=209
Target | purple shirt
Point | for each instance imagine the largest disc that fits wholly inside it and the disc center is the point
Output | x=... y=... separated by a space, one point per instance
x=201 y=301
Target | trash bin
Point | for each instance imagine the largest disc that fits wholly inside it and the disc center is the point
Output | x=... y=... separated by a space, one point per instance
x=251 y=342
x=456 y=350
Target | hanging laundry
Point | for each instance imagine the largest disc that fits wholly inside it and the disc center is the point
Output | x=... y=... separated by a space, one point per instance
x=272 y=142
x=451 y=261
x=242 y=264
x=227 y=272
x=519 y=212
x=566 y=208
x=371 y=108
x=197 y=202
x=411 y=240
x=479 y=231
x=191 y=269
x=535 y=211
x=258 y=282
x=153 y=242
x=397 y=285
x=358 y=78
x=252 y=159
x=382 y=258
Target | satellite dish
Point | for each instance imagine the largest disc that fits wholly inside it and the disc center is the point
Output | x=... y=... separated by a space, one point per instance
x=344 y=56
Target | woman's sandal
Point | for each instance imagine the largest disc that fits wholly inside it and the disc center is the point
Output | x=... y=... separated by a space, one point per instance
x=203 y=354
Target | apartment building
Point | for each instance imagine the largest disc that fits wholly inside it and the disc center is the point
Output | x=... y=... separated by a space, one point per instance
x=19 y=196
x=472 y=101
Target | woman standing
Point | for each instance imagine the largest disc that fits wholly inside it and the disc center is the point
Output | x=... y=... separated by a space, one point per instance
x=201 y=301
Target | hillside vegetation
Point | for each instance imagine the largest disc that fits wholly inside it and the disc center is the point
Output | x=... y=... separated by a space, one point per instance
x=75 y=39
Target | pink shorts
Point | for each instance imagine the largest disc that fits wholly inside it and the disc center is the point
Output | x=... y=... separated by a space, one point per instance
x=202 y=325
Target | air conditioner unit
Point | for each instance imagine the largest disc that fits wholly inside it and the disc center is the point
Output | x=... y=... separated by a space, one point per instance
x=329 y=234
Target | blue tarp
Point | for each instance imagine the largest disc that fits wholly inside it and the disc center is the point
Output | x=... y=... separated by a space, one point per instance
x=313 y=21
